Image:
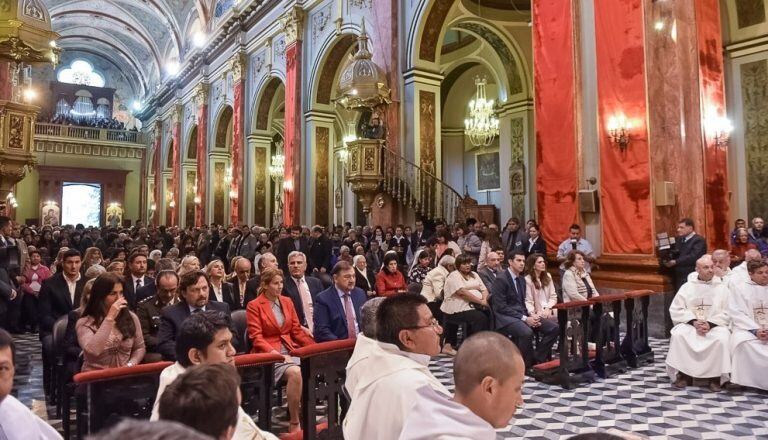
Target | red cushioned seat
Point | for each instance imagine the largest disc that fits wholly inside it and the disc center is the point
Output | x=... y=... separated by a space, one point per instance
x=571 y=305
x=639 y=293
x=120 y=372
x=256 y=359
x=324 y=348
x=555 y=363
x=299 y=435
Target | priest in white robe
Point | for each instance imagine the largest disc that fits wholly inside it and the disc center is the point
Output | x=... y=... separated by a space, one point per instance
x=388 y=375
x=740 y=273
x=699 y=344
x=488 y=373
x=721 y=258
x=748 y=308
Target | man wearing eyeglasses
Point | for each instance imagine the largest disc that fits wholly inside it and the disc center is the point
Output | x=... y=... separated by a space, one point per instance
x=148 y=311
x=337 y=309
x=388 y=377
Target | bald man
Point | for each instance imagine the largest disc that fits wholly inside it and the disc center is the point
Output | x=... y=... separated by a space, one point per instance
x=698 y=346
x=488 y=372
x=739 y=274
x=721 y=259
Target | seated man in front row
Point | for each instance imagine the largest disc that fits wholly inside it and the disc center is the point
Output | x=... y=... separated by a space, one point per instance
x=512 y=318
x=698 y=347
x=748 y=309
x=337 y=308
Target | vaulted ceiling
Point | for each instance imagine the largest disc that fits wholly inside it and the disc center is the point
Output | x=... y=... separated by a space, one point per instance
x=137 y=36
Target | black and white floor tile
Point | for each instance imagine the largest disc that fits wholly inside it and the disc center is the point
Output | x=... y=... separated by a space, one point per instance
x=641 y=401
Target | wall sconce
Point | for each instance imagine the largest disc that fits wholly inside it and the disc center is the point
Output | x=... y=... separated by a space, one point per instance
x=172 y=204
x=153 y=207
x=288 y=185
x=197 y=200
x=720 y=129
x=233 y=194
x=618 y=130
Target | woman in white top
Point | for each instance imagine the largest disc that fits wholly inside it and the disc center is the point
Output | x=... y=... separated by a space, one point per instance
x=465 y=296
x=540 y=295
x=577 y=284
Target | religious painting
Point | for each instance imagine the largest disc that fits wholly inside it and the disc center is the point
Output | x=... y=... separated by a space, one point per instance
x=114 y=215
x=189 y=205
x=219 y=192
x=487 y=168
x=50 y=213
x=517 y=178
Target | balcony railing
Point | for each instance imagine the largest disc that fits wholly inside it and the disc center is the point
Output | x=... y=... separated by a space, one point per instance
x=88 y=133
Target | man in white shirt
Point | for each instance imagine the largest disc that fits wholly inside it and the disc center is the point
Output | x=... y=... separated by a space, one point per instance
x=17 y=422
x=748 y=309
x=575 y=242
x=137 y=266
x=698 y=347
x=387 y=379
x=205 y=338
x=488 y=374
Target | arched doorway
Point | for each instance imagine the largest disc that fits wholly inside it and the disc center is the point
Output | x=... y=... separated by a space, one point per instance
x=266 y=146
x=189 y=174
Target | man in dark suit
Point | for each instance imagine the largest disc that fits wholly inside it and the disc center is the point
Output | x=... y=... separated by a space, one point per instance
x=689 y=247
x=319 y=253
x=252 y=286
x=193 y=290
x=512 y=319
x=136 y=279
x=337 y=309
x=10 y=293
x=300 y=288
x=295 y=242
x=491 y=270
x=419 y=237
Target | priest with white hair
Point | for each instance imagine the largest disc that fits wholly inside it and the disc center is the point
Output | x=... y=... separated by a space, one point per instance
x=721 y=259
x=739 y=273
x=699 y=344
x=748 y=308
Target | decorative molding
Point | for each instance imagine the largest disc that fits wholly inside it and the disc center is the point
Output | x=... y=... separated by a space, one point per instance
x=427 y=133
x=72 y=148
x=280 y=47
x=320 y=21
x=754 y=89
x=501 y=49
x=260 y=186
x=237 y=65
x=293 y=24
x=517 y=183
x=322 y=186
x=359 y=4
x=176 y=114
x=201 y=93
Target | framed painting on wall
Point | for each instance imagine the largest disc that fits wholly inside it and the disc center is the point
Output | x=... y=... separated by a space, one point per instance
x=487 y=171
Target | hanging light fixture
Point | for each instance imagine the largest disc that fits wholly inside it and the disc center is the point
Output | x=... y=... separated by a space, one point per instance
x=481 y=126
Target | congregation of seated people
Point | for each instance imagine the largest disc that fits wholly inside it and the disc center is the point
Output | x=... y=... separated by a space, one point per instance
x=146 y=294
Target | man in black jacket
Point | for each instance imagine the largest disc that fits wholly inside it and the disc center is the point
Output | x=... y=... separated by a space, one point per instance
x=319 y=254
x=689 y=247
x=295 y=242
x=10 y=293
x=136 y=278
x=300 y=288
x=193 y=291
x=512 y=318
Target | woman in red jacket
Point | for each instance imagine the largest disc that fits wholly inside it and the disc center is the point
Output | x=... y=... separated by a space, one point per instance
x=390 y=281
x=274 y=327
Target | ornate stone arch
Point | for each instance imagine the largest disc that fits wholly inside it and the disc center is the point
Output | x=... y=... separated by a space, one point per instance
x=332 y=56
x=263 y=103
x=224 y=117
x=189 y=148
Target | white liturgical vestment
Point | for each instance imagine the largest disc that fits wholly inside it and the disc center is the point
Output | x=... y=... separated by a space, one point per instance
x=435 y=416
x=383 y=391
x=700 y=356
x=748 y=308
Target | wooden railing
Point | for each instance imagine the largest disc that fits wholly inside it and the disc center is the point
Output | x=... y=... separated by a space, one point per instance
x=89 y=133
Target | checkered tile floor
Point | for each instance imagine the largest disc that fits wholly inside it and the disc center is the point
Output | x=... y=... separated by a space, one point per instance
x=641 y=401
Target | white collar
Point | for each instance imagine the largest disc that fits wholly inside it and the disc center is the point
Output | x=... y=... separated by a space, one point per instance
x=421 y=359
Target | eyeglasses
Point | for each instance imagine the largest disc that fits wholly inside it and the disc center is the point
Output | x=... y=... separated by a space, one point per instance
x=432 y=323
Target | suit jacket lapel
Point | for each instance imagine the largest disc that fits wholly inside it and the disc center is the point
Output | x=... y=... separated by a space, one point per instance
x=338 y=303
x=65 y=291
x=266 y=307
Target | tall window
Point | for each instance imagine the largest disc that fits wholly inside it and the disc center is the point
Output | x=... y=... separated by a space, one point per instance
x=80 y=72
x=81 y=203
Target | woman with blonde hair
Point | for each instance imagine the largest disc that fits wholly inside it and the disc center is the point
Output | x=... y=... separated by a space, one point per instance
x=540 y=296
x=219 y=289
x=117 y=267
x=92 y=257
x=189 y=263
x=274 y=327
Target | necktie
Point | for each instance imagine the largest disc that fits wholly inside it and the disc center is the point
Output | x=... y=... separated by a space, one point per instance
x=349 y=313
x=520 y=288
x=138 y=283
x=306 y=302
x=197 y=310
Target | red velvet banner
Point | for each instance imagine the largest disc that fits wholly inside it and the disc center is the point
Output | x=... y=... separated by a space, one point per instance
x=237 y=151
x=711 y=84
x=292 y=139
x=174 y=220
x=557 y=172
x=202 y=162
x=625 y=183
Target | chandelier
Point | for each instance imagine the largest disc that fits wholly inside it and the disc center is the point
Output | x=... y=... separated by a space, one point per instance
x=481 y=126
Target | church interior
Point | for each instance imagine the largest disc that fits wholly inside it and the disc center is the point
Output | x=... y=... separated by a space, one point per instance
x=632 y=130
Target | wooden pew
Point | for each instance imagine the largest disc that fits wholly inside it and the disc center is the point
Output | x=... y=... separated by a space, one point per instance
x=608 y=359
x=635 y=347
x=256 y=380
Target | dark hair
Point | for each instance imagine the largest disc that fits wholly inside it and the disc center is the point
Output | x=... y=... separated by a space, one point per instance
x=687 y=222
x=463 y=259
x=295 y=228
x=514 y=220
x=164 y=264
x=102 y=287
x=575 y=226
x=572 y=257
x=71 y=253
x=135 y=255
x=535 y=226
x=513 y=253
x=191 y=278
x=6 y=340
x=166 y=273
x=4 y=221
x=34 y=251
x=198 y=331
x=753 y=265
x=530 y=270
x=390 y=256
x=341 y=266
x=397 y=313
x=202 y=391
x=146 y=430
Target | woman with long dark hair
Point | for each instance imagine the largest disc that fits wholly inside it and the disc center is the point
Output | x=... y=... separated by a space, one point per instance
x=109 y=334
x=540 y=295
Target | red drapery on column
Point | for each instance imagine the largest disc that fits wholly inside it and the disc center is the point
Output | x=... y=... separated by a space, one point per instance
x=176 y=170
x=237 y=149
x=625 y=184
x=202 y=159
x=555 y=106
x=711 y=84
x=291 y=214
x=158 y=174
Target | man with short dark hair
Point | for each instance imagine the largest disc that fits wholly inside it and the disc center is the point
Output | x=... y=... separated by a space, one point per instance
x=294 y=242
x=337 y=309
x=512 y=318
x=10 y=268
x=689 y=247
x=488 y=372
x=146 y=430
x=419 y=237
x=136 y=278
x=148 y=311
x=387 y=379
x=319 y=253
x=16 y=420
x=206 y=398
x=575 y=242
x=193 y=292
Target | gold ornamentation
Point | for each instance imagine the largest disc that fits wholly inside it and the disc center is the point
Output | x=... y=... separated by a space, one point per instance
x=293 y=24
x=201 y=94
x=237 y=65
x=16 y=133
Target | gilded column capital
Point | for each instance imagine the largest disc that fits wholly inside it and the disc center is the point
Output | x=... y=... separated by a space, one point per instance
x=237 y=65
x=293 y=24
x=201 y=94
x=178 y=111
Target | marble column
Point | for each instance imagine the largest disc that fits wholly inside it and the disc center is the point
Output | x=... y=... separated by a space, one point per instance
x=158 y=189
x=260 y=144
x=201 y=101
x=176 y=171
x=293 y=28
x=319 y=180
x=238 y=68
